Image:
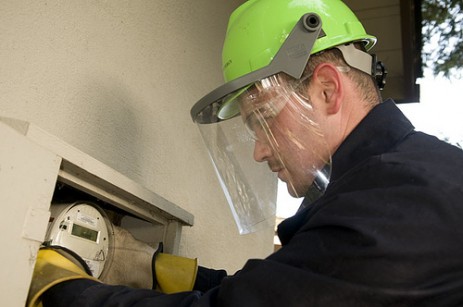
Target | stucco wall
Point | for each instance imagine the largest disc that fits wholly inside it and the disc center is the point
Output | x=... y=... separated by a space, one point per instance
x=117 y=79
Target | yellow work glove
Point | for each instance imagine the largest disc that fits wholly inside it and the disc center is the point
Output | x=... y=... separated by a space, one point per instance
x=54 y=266
x=172 y=273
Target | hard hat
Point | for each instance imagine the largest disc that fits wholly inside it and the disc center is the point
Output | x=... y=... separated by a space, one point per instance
x=265 y=37
x=257 y=30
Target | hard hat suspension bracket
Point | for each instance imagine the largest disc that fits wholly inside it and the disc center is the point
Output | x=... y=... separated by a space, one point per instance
x=294 y=54
x=365 y=62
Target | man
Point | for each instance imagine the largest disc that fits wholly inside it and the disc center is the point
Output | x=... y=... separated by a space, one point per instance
x=380 y=221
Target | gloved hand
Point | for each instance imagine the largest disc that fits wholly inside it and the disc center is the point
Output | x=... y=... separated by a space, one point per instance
x=136 y=264
x=53 y=266
x=172 y=273
x=129 y=262
x=166 y=273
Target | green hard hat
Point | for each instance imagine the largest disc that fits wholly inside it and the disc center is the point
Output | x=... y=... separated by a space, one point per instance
x=258 y=28
x=266 y=37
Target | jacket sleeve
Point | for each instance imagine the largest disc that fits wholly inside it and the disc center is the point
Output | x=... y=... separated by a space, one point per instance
x=389 y=240
x=76 y=293
x=89 y=293
x=207 y=279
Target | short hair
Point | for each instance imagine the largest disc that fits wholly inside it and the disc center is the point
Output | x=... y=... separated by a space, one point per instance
x=366 y=84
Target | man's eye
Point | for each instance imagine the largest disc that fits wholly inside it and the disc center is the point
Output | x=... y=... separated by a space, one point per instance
x=253 y=122
x=265 y=113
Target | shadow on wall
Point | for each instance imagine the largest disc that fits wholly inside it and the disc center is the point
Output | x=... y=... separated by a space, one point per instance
x=107 y=124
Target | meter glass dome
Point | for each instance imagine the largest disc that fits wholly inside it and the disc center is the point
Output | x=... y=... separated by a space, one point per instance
x=83 y=228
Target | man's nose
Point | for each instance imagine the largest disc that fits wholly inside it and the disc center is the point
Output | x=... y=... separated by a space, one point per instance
x=262 y=151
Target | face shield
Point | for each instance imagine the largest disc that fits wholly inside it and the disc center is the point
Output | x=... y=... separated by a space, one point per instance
x=281 y=130
x=279 y=117
x=249 y=187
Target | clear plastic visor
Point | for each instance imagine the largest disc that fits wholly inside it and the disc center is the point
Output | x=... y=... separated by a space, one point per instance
x=279 y=116
x=249 y=188
x=280 y=137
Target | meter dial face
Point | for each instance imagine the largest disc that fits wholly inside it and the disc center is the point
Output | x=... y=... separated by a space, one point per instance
x=82 y=228
x=84 y=232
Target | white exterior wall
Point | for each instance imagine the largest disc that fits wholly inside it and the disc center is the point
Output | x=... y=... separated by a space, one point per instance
x=117 y=79
x=376 y=16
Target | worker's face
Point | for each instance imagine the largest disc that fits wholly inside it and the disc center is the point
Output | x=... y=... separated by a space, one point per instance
x=286 y=135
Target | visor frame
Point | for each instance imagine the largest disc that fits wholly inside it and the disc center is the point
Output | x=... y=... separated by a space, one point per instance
x=291 y=58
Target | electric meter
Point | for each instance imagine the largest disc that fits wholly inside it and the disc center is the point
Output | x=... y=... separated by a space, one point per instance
x=84 y=228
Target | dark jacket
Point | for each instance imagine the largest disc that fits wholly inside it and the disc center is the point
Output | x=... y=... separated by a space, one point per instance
x=387 y=232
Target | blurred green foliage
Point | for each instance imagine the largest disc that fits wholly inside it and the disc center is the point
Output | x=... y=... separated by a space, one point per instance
x=443 y=37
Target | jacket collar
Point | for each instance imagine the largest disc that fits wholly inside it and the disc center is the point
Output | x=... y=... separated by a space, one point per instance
x=380 y=131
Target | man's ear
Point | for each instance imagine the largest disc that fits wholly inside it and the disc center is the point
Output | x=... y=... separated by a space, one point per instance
x=329 y=87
